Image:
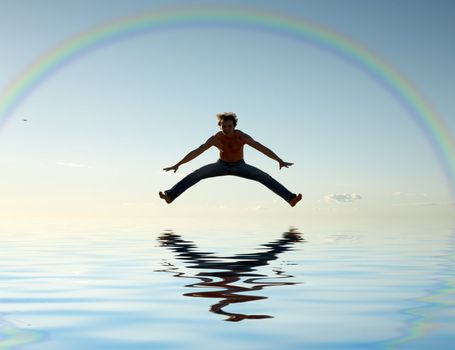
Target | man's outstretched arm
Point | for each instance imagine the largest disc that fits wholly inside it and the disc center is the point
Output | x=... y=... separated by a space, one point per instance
x=193 y=154
x=267 y=151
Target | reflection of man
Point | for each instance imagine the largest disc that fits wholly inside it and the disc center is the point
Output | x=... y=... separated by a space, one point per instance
x=221 y=273
x=230 y=143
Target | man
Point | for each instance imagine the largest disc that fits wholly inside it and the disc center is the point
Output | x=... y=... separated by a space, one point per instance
x=230 y=142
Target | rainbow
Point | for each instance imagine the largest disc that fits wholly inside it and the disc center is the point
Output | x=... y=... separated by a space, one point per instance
x=12 y=336
x=420 y=110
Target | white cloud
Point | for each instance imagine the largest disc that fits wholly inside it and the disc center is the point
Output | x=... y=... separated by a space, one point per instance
x=410 y=199
x=409 y=195
x=417 y=204
x=342 y=198
x=72 y=165
x=176 y=174
x=260 y=208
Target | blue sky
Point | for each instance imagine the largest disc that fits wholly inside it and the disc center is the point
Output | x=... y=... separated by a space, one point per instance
x=101 y=128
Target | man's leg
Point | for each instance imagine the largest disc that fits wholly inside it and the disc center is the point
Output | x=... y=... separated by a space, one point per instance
x=210 y=170
x=252 y=173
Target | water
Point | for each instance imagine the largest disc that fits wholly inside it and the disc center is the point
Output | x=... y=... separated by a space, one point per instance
x=258 y=287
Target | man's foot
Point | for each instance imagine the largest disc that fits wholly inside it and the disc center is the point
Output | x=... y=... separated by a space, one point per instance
x=165 y=197
x=294 y=200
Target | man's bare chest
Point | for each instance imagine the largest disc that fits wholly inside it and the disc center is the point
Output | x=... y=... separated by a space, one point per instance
x=229 y=145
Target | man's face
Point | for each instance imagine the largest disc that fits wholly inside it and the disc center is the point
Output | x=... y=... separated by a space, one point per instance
x=227 y=127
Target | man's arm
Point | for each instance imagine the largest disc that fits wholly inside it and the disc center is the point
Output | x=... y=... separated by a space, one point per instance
x=267 y=151
x=193 y=154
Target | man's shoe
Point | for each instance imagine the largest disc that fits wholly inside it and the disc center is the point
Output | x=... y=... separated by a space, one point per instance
x=165 y=197
x=294 y=200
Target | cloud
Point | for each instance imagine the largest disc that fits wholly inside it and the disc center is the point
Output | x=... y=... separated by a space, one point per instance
x=409 y=195
x=342 y=198
x=410 y=199
x=417 y=204
x=178 y=174
x=72 y=165
x=260 y=208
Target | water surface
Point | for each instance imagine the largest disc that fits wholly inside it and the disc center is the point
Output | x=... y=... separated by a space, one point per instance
x=262 y=287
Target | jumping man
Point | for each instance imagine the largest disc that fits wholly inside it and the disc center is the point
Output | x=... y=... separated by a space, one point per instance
x=230 y=142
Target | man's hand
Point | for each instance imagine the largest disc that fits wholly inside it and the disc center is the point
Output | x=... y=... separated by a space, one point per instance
x=284 y=164
x=174 y=167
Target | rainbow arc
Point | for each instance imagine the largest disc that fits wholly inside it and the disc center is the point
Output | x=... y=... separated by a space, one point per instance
x=419 y=109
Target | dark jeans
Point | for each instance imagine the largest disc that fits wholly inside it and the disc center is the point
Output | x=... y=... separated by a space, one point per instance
x=221 y=168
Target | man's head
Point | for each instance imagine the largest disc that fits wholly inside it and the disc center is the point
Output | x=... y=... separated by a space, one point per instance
x=222 y=117
x=227 y=122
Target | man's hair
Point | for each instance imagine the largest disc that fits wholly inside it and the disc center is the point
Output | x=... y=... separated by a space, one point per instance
x=222 y=117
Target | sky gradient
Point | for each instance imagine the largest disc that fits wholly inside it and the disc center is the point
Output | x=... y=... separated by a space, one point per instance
x=99 y=130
